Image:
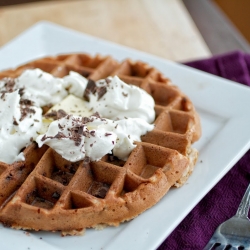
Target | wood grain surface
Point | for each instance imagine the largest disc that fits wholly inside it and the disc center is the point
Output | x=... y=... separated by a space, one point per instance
x=163 y=27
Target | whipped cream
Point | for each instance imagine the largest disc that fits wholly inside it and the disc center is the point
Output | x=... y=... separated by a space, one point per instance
x=77 y=138
x=40 y=87
x=43 y=88
x=118 y=100
x=75 y=83
x=21 y=114
x=122 y=101
x=19 y=123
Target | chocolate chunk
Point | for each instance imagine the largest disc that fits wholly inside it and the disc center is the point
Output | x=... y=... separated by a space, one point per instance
x=90 y=88
x=99 y=189
x=9 y=84
x=108 y=80
x=15 y=122
x=96 y=114
x=55 y=115
x=92 y=132
x=60 y=135
x=124 y=94
x=3 y=94
x=85 y=120
x=61 y=113
x=25 y=111
x=101 y=91
x=80 y=130
x=21 y=91
x=77 y=132
x=102 y=192
x=26 y=102
x=44 y=138
x=52 y=115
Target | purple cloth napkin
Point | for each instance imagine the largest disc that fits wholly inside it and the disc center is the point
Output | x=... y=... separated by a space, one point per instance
x=222 y=201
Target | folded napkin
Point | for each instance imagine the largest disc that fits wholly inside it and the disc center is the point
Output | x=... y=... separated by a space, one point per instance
x=222 y=201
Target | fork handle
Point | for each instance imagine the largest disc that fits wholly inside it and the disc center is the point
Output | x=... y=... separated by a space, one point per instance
x=244 y=205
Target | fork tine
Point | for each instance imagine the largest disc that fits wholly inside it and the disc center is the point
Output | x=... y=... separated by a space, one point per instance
x=234 y=232
x=221 y=247
x=235 y=248
x=244 y=205
x=209 y=246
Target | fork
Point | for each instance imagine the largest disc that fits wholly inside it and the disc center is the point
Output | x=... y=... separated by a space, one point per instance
x=235 y=232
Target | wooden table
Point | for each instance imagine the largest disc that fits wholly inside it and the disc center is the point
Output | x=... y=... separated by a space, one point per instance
x=163 y=27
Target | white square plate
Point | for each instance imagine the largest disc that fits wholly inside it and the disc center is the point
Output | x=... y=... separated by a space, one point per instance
x=226 y=137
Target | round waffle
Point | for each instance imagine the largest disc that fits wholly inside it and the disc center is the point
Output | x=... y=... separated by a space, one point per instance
x=47 y=192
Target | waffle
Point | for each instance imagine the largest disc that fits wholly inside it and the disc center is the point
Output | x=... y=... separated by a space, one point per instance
x=47 y=192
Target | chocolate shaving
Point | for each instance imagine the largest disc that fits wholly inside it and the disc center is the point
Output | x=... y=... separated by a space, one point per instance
x=77 y=132
x=52 y=115
x=15 y=121
x=92 y=132
x=86 y=134
x=90 y=88
x=96 y=114
x=21 y=91
x=102 y=192
x=108 y=80
x=61 y=113
x=44 y=138
x=3 y=94
x=80 y=130
x=85 y=120
x=60 y=135
x=124 y=94
x=60 y=126
x=55 y=115
x=26 y=102
x=93 y=88
x=99 y=189
x=25 y=111
x=9 y=84
x=101 y=91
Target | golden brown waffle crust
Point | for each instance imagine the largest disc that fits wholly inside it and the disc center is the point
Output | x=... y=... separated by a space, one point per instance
x=46 y=192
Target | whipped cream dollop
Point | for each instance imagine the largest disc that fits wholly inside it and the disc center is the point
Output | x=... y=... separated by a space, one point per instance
x=75 y=83
x=121 y=100
x=77 y=138
x=23 y=98
x=112 y=98
x=40 y=87
x=19 y=123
